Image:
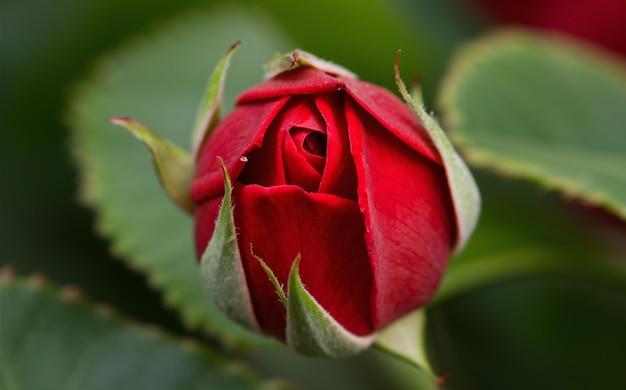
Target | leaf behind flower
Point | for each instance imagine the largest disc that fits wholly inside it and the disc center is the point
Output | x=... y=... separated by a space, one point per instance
x=543 y=108
x=159 y=81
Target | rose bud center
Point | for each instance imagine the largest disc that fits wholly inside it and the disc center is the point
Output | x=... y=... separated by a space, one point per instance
x=295 y=151
x=315 y=144
x=311 y=144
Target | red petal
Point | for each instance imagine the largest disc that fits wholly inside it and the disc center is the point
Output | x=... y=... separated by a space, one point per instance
x=301 y=81
x=326 y=230
x=339 y=174
x=300 y=115
x=311 y=145
x=205 y=217
x=409 y=219
x=300 y=112
x=239 y=133
x=280 y=161
x=389 y=110
x=266 y=166
x=298 y=169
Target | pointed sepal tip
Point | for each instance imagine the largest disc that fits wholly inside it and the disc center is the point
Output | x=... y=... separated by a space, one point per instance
x=272 y=278
x=210 y=108
x=221 y=265
x=463 y=189
x=310 y=328
x=174 y=166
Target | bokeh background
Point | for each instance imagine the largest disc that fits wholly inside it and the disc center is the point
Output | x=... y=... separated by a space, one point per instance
x=539 y=332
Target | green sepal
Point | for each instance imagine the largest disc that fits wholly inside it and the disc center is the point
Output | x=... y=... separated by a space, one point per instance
x=273 y=279
x=405 y=339
x=210 y=108
x=463 y=188
x=311 y=330
x=221 y=267
x=173 y=165
x=284 y=62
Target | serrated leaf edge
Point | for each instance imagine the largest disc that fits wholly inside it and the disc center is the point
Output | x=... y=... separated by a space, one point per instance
x=479 y=51
x=106 y=312
x=88 y=193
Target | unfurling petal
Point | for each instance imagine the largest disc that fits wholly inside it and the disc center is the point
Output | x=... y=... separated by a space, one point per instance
x=235 y=137
x=327 y=231
x=300 y=81
x=339 y=174
x=408 y=213
x=394 y=115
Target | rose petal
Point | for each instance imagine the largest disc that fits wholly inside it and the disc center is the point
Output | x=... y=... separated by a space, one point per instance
x=394 y=115
x=300 y=112
x=280 y=161
x=339 y=175
x=239 y=133
x=298 y=116
x=265 y=165
x=311 y=145
x=281 y=222
x=205 y=218
x=409 y=219
x=298 y=168
x=301 y=81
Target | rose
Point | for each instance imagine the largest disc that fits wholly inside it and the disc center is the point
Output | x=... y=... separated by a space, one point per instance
x=330 y=167
x=325 y=209
x=597 y=21
x=340 y=174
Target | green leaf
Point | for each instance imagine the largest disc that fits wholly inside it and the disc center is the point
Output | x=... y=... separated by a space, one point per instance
x=542 y=108
x=463 y=189
x=174 y=167
x=51 y=340
x=160 y=80
x=222 y=268
x=523 y=233
x=311 y=330
x=488 y=319
x=532 y=333
x=210 y=109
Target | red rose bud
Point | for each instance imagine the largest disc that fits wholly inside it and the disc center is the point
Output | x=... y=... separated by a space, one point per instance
x=325 y=208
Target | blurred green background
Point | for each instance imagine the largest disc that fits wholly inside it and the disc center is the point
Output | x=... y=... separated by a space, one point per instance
x=539 y=332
